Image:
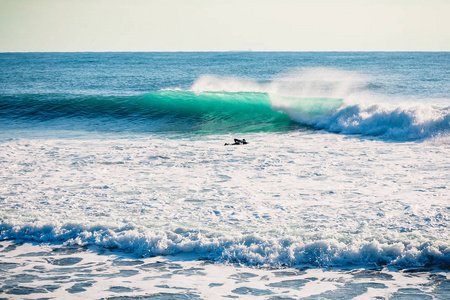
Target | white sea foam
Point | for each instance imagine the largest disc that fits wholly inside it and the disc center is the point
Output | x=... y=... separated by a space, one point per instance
x=282 y=200
x=406 y=122
x=250 y=250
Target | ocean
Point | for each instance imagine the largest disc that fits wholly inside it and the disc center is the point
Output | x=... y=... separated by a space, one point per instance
x=116 y=183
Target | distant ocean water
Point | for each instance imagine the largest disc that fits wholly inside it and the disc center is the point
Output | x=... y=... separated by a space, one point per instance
x=346 y=172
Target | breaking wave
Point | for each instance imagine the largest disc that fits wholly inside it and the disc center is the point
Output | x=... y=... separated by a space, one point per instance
x=250 y=250
x=319 y=99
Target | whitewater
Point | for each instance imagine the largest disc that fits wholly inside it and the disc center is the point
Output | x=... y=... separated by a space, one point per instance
x=115 y=181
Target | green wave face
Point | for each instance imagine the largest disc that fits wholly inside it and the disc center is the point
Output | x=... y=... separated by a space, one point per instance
x=218 y=112
x=212 y=112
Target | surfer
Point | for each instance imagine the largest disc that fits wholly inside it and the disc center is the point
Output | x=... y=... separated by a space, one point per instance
x=237 y=142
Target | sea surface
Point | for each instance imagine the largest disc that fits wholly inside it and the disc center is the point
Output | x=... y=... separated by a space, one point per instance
x=115 y=181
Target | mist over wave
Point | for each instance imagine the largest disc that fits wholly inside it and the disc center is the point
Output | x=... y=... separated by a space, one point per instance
x=309 y=83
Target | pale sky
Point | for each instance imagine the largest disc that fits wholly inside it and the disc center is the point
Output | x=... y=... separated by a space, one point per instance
x=219 y=25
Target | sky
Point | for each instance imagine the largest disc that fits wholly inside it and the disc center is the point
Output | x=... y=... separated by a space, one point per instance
x=219 y=25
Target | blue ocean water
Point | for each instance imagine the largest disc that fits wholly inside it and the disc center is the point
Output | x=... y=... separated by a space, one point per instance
x=114 y=176
x=215 y=92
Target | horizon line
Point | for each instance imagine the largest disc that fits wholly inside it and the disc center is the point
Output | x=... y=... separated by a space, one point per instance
x=229 y=51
